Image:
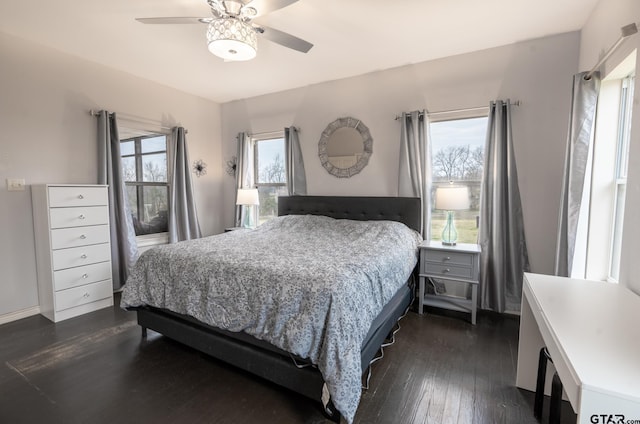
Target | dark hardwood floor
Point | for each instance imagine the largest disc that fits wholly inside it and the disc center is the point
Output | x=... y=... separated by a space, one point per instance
x=97 y=369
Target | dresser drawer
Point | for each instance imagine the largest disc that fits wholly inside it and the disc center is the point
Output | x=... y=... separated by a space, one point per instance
x=77 y=196
x=448 y=271
x=447 y=257
x=79 y=256
x=76 y=296
x=81 y=275
x=63 y=238
x=79 y=217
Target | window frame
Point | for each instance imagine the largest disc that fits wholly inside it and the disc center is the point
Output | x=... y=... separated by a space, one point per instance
x=447 y=117
x=139 y=184
x=623 y=141
x=255 y=141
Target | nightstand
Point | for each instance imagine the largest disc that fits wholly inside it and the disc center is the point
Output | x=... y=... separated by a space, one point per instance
x=451 y=266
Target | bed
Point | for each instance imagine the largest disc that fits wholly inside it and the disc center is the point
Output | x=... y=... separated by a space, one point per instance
x=276 y=301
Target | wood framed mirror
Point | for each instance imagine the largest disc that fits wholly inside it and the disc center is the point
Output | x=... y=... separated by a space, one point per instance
x=345 y=147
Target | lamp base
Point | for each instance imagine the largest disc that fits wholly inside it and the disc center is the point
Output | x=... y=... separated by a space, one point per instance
x=449 y=233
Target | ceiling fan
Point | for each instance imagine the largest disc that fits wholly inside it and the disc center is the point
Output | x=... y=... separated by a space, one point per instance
x=232 y=34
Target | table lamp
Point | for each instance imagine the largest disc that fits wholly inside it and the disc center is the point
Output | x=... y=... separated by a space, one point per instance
x=451 y=198
x=248 y=197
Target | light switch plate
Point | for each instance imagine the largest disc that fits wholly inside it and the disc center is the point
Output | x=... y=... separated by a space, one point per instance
x=15 y=184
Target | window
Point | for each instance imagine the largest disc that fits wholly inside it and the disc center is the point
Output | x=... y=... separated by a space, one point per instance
x=606 y=184
x=144 y=167
x=457 y=155
x=270 y=174
x=620 y=183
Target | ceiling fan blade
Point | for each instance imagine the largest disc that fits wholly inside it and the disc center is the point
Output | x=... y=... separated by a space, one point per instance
x=284 y=39
x=174 y=20
x=267 y=6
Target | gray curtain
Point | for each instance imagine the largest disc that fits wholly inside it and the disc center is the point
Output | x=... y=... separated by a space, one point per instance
x=183 y=219
x=124 y=249
x=583 y=111
x=414 y=178
x=296 y=178
x=504 y=255
x=244 y=173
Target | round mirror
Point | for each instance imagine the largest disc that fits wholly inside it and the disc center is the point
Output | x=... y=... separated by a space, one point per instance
x=345 y=147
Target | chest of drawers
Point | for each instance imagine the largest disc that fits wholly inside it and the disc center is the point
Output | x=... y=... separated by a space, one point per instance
x=73 y=251
x=459 y=264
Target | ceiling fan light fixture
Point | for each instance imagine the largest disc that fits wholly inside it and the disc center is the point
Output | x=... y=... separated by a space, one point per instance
x=232 y=39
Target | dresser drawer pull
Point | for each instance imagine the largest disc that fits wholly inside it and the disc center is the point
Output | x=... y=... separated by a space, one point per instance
x=85 y=276
x=82 y=236
x=444 y=271
x=86 y=295
x=83 y=256
x=81 y=216
x=446 y=258
x=80 y=196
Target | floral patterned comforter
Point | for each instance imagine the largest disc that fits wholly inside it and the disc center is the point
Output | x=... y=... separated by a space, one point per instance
x=310 y=285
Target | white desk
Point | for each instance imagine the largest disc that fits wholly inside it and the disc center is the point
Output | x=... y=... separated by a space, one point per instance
x=592 y=332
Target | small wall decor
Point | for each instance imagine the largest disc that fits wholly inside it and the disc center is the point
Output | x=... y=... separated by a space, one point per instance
x=231 y=166
x=199 y=168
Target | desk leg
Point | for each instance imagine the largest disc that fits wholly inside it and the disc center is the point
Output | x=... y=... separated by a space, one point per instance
x=529 y=345
x=421 y=295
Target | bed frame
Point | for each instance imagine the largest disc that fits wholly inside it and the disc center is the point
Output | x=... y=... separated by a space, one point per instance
x=267 y=361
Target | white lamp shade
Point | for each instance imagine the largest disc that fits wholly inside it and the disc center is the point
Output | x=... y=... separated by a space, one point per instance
x=452 y=198
x=247 y=196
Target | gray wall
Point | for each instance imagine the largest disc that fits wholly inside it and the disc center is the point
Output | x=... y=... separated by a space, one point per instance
x=537 y=72
x=48 y=136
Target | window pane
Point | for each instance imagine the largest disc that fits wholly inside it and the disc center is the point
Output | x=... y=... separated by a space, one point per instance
x=154 y=168
x=457 y=149
x=129 y=169
x=132 y=201
x=127 y=148
x=269 y=201
x=270 y=161
x=153 y=217
x=155 y=144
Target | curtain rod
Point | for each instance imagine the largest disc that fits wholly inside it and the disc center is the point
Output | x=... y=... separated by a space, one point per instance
x=137 y=119
x=468 y=109
x=625 y=32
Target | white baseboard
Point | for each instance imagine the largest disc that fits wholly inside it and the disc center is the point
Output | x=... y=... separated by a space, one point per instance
x=23 y=313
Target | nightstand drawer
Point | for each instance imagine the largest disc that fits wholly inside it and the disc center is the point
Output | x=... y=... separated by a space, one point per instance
x=448 y=271
x=445 y=257
x=77 y=196
x=76 y=296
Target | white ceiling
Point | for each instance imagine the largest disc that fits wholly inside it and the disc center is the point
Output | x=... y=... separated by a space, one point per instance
x=350 y=37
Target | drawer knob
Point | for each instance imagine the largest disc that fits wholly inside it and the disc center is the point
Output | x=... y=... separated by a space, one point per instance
x=86 y=295
x=444 y=271
x=80 y=196
x=446 y=258
x=83 y=236
x=81 y=216
x=83 y=256
x=85 y=276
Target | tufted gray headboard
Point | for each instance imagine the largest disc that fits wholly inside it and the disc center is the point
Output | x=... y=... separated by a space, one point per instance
x=402 y=209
